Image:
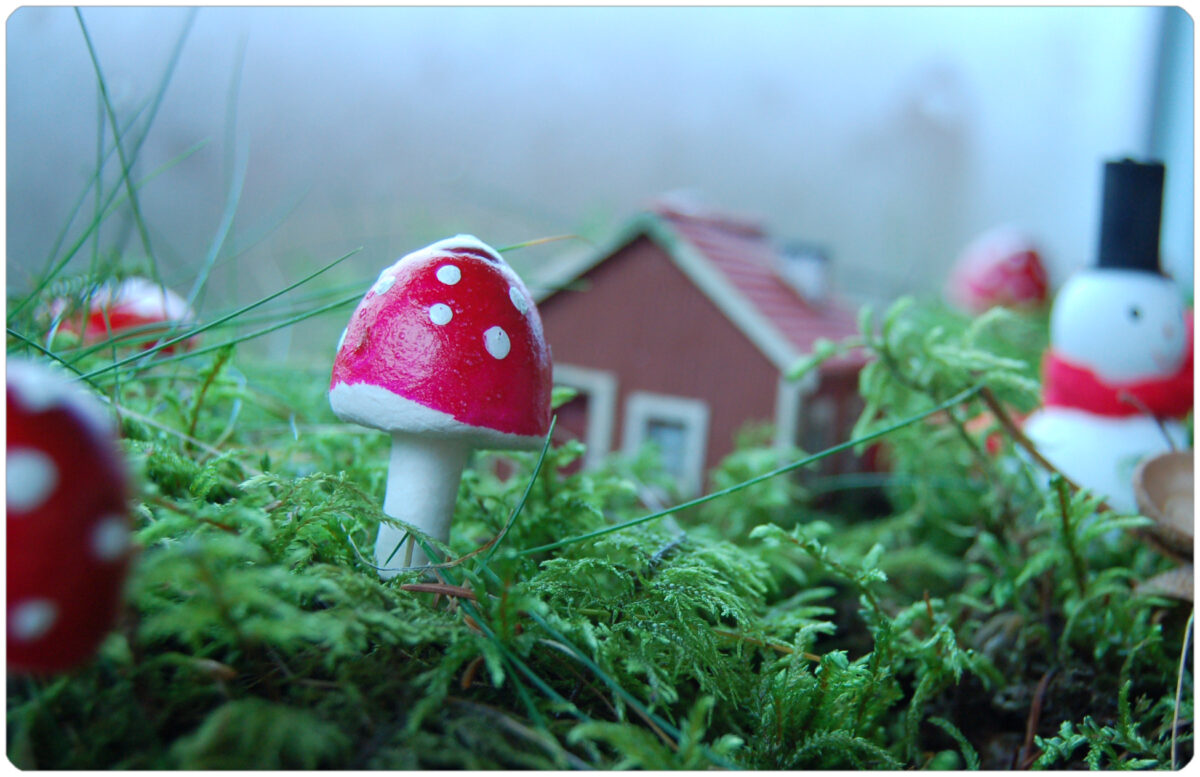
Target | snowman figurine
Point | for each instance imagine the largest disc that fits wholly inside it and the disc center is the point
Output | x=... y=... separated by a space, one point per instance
x=1117 y=378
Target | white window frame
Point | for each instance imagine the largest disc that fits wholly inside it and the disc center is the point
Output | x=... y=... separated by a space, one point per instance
x=790 y=399
x=641 y=407
x=600 y=387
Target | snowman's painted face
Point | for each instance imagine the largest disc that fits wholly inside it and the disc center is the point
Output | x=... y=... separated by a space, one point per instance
x=1123 y=325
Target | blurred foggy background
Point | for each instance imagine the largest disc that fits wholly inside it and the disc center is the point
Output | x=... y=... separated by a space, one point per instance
x=890 y=136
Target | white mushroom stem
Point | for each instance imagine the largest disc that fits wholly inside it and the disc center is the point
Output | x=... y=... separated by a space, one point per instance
x=423 y=476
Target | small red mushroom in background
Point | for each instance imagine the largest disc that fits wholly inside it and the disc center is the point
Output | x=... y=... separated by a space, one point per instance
x=135 y=307
x=446 y=353
x=68 y=521
x=1001 y=267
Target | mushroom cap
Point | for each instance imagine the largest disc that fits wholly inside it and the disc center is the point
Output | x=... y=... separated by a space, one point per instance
x=67 y=521
x=133 y=303
x=1165 y=489
x=447 y=343
x=143 y=298
x=1001 y=267
x=1177 y=583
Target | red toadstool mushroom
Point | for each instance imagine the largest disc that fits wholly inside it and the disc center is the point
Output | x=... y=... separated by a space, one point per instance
x=68 y=524
x=446 y=353
x=1000 y=267
x=133 y=307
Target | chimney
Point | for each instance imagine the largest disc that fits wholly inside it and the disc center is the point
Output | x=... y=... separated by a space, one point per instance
x=805 y=268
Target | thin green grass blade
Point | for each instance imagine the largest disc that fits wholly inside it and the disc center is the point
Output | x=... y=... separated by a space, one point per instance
x=125 y=160
x=530 y=708
x=537 y=468
x=93 y=267
x=231 y=204
x=232 y=96
x=133 y=337
x=271 y=224
x=228 y=317
x=151 y=115
x=237 y=162
x=44 y=351
x=1187 y=638
x=564 y=645
x=178 y=357
x=542 y=686
x=232 y=199
x=298 y=311
x=114 y=201
x=540 y=241
x=956 y=399
x=91 y=183
x=473 y=611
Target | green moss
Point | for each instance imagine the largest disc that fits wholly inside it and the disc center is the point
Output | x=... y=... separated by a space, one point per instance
x=751 y=630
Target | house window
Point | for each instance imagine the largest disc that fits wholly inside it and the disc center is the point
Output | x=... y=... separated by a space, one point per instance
x=818 y=430
x=678 y=426
x=670 y=437
x=791 y=398
x=589 y=416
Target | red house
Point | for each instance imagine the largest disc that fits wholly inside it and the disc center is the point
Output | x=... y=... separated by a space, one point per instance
x=681 y=330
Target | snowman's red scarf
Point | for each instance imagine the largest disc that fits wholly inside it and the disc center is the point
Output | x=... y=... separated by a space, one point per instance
x=1068 y=385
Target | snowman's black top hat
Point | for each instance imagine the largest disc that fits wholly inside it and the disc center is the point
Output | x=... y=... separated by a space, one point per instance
x=1129 y=227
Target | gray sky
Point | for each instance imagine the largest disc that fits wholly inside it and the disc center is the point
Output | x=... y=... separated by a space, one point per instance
x=890 y=135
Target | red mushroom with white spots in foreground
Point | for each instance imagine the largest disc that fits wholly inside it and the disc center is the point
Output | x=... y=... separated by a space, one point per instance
x=68 y=523
x=446 y=353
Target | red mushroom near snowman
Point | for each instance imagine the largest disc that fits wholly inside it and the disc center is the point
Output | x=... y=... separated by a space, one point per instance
x=445 y=353
x=1118 y=376
x=1003 y=266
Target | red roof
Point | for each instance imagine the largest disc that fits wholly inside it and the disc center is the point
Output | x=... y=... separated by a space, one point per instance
x=743 y=253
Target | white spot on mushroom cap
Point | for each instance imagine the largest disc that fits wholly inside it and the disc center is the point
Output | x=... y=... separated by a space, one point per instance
x=440 y=314
x=31 y=619
x=518 y=299
x=496 y=341
x=383 y=284
x=110 y=538
x=449 y=274
x=32 y=478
